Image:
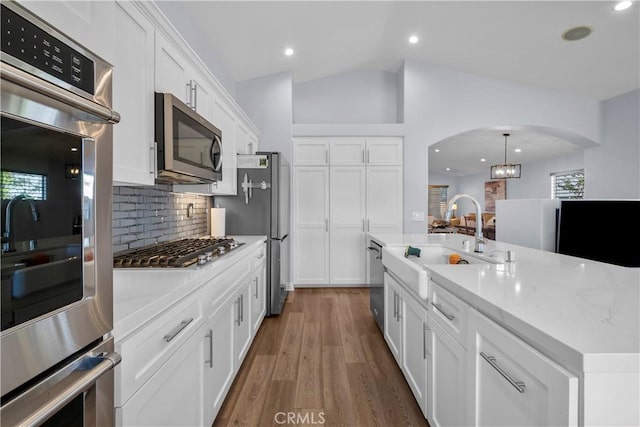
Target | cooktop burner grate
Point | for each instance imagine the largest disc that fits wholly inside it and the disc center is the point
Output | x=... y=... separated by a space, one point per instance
x=177 y=254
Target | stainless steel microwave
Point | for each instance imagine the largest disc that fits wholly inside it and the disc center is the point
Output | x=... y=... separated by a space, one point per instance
x=189 y=147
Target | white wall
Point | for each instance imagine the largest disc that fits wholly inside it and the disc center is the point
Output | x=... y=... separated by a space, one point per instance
x=367 y=96
x=441 y=102
x=267 y=102
x=613 y=169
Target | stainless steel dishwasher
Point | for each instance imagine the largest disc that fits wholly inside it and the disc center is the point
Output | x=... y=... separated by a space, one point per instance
x=376 y=282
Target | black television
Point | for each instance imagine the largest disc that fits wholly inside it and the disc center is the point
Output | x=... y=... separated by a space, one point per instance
x=600 y=230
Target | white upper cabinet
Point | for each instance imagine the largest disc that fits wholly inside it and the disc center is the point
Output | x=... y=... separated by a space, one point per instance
x=347 y=152
x=88 y=23
x=311 y=152
x=384 y=151
x=384 y=199
x=133 y=137
x=226 y=120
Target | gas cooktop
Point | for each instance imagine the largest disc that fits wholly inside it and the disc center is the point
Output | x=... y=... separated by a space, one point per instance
x=175 y=254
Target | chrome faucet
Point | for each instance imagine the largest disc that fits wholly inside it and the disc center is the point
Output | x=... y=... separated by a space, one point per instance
x=479 y=246
x=8 y=239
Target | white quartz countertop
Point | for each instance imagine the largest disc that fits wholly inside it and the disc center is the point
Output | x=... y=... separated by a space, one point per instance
x=584 y=314
x=140 y=294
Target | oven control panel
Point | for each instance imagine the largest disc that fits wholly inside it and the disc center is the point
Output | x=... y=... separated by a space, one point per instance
x=32 y=45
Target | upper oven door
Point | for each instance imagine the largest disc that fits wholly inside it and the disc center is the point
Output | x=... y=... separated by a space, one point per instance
x=189 y=144
x=56 y=192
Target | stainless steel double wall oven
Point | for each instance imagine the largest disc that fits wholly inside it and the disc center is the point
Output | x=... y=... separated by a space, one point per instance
x=56 y=177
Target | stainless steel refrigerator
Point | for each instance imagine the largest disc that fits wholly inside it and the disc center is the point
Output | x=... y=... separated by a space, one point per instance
x=261 y=207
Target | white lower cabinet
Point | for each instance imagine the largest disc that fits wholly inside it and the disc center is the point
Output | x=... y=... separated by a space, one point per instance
x=218 y=367
x=176 y=369
x=174 y=396
x=515 y=385
x=392 y=316
x=447 y=373
x=414 y=348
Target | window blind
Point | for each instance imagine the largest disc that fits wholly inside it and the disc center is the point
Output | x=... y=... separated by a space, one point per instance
x=567 y=185
x=437 y=201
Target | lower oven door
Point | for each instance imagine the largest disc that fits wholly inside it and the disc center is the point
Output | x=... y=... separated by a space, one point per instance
x=80 y=393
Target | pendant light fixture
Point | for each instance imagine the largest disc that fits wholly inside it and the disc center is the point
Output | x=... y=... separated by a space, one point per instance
x=505 y=170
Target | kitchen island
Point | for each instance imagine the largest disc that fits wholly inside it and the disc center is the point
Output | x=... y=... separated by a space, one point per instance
x=577 y=318
x=183 y=334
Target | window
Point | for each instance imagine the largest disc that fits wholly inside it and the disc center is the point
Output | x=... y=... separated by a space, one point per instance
x=437 y=200
x=567 y=185
x=15 y=183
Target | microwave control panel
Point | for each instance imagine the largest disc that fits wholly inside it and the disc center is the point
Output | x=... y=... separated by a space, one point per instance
x=32 y=45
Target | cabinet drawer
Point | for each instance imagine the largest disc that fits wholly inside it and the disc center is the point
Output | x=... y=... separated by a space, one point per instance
x=258 y=257
x=517 y=385
x=449 y=310
x=152 y=345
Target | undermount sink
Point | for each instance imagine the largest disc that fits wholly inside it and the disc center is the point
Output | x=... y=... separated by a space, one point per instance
x=411 y=269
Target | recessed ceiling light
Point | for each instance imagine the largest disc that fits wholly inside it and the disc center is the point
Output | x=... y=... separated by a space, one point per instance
x=623 y=5
x=413 y=39
x=483 y=160
x=447 y=169
x=437 y=150
x=576 y=33
x=74 y=149
x=518 y=150
x=288 y=51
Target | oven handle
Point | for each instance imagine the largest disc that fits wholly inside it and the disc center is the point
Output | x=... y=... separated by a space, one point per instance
x=24 y=79
x=105 y=363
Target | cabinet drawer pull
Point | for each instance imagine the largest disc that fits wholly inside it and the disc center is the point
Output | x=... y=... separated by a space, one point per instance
x=518 y=385
x=395 y=305
x=441 y=310
x=210 y=336
x=424 y=340
x=255 y=280
x=238 y=321
x=171 y=335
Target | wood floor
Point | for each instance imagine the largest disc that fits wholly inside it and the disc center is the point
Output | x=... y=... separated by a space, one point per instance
x=323 y=361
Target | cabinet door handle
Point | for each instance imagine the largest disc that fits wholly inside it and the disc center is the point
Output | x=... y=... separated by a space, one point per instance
x=154 y=160
x=518 y=385
x=441 y=310
x=326 y=225
x=395 y=305
x=210 y=336
x=260 y=256
x=238 y=316
x=241 y=308
x=363 y=161
x=255 y=279
x=326 y=156
x=363 y=225
x=399 y=308
x=172 y=334
x=424 y=340
x=368 y=156
x=195 y=96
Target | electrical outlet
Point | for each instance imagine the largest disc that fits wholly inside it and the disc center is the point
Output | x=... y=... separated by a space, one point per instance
x=417 y=216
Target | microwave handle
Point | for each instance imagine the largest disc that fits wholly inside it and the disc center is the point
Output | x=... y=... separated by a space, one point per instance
x=216 y=167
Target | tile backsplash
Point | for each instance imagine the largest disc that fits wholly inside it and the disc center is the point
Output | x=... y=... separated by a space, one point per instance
x=146 y=215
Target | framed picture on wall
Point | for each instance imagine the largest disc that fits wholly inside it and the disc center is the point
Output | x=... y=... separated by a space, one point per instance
x=494 y=190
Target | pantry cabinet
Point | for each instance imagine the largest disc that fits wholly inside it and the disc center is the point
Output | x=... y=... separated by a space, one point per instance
x=310 y=197
x=363 y=197
x=133 y=85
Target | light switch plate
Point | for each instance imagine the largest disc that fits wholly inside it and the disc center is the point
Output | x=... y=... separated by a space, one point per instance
x=417 y=216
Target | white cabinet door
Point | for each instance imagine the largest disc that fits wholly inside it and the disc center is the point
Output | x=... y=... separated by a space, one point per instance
x=174 y=395
x=383 y=151
x=258 y=301
x=447 y=379
x=242 y=332
x=224 y=118
x=203 y=95
x=347 y=151
x=514 y=383
x=384 y=199
x=243 y=141
x=346 y=225
x=219 y=358
x=414 y=348
x=172 y=71
x=310 y=152
x=393 y=316
x=310 y=198
x=89 y=23
x=133 y=87
x=253 y=144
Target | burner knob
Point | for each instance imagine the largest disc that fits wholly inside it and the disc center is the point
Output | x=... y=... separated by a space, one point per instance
x=233 y=244
x=209 y=255
x=202 y=259
x=221 y=250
